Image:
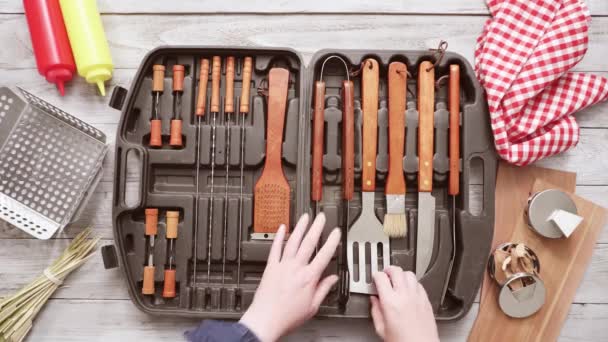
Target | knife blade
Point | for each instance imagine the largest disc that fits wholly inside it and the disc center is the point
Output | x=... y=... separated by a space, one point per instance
x=426 y=201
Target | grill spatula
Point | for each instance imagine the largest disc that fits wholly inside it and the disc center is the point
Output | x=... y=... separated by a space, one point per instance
x=366 y=238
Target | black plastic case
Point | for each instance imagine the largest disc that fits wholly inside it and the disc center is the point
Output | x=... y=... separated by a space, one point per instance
x=168 y=179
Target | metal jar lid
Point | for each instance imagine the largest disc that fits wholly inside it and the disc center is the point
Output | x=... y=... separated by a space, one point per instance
x=523 y=301
x=541 y=205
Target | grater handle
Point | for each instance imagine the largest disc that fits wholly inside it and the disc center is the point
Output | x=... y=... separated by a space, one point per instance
x=369 y=92
x=426 y=110
x=454 y=104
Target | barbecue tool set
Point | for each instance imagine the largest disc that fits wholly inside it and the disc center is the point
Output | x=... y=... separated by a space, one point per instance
x=249 y=139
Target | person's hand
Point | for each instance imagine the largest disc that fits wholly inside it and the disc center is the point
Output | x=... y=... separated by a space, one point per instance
x=402 y=311
x=291 y=289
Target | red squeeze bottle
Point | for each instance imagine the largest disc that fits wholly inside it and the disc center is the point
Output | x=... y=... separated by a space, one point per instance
x=50 y=41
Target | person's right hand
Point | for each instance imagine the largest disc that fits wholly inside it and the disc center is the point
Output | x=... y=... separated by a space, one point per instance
x=402 y=311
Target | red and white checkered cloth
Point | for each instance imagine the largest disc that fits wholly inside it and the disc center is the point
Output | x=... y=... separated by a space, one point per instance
x=522 y=59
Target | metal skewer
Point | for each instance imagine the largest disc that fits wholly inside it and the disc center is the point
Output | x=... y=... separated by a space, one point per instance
x=215 y=108
x=244 y=110
x=201 y=106
x=228 y=109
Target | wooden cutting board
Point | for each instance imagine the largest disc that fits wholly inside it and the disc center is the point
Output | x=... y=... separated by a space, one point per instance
x=563 y=261
x=513 y=185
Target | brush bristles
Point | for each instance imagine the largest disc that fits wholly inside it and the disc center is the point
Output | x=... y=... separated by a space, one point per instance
x=395 y=225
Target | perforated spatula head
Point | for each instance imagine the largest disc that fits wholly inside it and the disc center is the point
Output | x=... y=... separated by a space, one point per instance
x=366 y=238
x=271 y=195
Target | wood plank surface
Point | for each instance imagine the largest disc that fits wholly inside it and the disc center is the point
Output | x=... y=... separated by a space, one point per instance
x=119 y=320
x=131 y=37
x=471 y=7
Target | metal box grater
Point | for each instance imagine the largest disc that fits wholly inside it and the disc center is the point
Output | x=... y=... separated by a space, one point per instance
x=49 y=164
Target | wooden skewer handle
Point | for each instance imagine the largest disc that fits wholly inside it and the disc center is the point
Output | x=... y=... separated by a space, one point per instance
x=454 y=104
x=229 y=99
x=216 y=70
x=397 y=83
x=244 y=103
x=369 y=92
x=348 y=139
x=426 y=112
x=201 y=101
x=318 y=131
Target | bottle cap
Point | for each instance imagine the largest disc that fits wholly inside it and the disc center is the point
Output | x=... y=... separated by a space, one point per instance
x=59 y=76
x=98 y=76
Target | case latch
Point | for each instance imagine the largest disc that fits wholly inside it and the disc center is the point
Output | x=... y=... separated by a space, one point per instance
x=119 y=94
x=109 y=256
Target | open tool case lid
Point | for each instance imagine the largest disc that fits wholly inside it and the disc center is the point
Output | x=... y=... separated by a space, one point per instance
x=166 y=180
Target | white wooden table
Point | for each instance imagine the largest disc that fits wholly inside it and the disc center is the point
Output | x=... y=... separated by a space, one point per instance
x=94 y=304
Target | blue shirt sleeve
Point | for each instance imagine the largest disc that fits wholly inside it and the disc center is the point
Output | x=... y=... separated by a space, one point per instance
x=215 y=331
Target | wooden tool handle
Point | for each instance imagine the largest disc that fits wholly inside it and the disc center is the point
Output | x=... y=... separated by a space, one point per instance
x=169 y=284
x=172 y=224
x=216 y=70
x=369 y=92
x=278 y=84
x=156 y=130
x=178 y=77
x=229 y=100
x=454 y=104
x=348 y=139
x=426 y=112
x=148 y=283
x=201 y=101
x=397 y=83
x=318 y=131
x=175 y=139
x=244 y=103
x=151 y=221
x=158 y=78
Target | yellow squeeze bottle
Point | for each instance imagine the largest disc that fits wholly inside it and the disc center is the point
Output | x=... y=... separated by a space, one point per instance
x=88 y=41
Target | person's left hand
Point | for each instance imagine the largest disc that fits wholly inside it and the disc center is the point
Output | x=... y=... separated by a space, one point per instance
x=291 y=289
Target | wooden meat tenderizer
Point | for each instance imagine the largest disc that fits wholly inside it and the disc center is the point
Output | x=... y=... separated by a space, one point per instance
x=271 y=194
x=395 y=222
